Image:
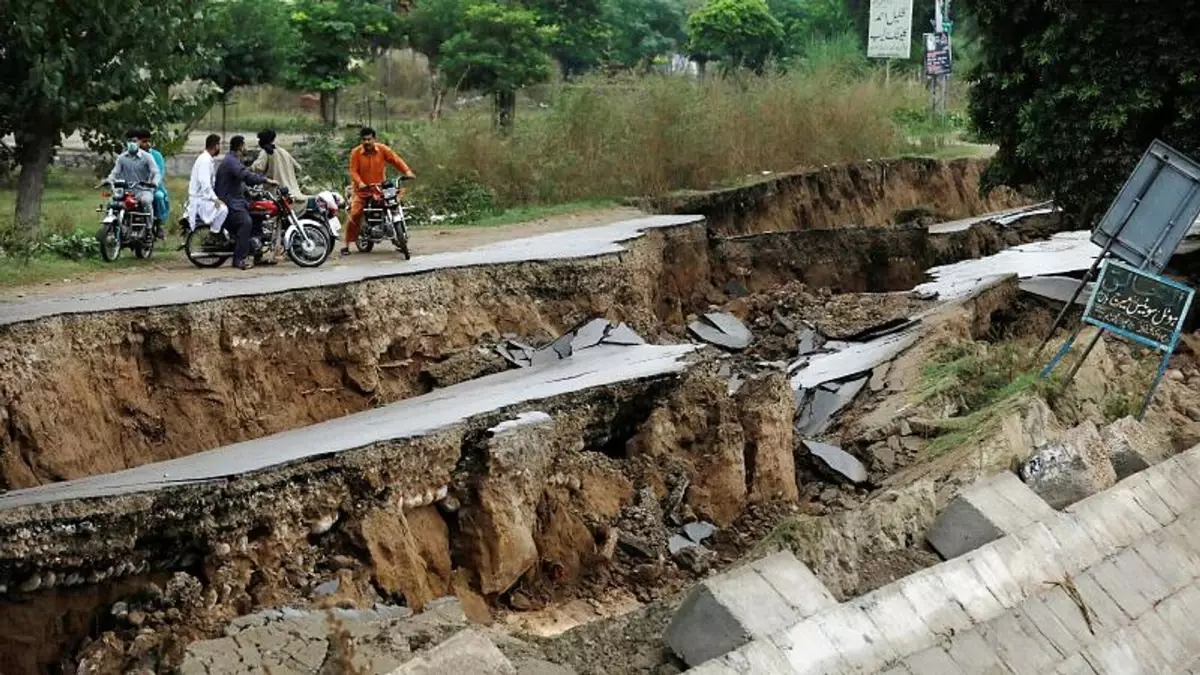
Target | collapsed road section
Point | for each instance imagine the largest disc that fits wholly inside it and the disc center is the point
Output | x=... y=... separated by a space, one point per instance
x=427 y=470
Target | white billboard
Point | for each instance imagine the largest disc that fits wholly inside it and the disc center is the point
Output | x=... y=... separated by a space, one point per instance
x=890 y=34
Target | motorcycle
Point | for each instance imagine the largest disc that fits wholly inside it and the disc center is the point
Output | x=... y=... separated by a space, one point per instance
x=324 y=208
x=383 y=218
x=306 y=241
x=125 y=224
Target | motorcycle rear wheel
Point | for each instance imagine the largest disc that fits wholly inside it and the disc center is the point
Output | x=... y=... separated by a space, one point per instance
x=145 y=249
x=363 y=244
x=193 y=248
x=110 y=243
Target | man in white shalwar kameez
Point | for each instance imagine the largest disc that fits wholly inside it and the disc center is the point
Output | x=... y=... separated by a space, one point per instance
x=203 y=204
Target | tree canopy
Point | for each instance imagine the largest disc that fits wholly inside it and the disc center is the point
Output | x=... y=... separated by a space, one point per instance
x=335 y=36
x=251 y=42
x=500 y=49
x=65 y=67
x=738 y=33
x=1075 y=91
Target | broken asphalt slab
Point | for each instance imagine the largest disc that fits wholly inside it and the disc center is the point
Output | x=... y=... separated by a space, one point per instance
x=599 y=366
x=1062 y=253
x=564 y=245
x=838 y=460
x=723 y=330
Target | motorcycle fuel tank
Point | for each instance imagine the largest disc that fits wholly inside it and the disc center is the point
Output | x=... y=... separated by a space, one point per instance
x=263 y=206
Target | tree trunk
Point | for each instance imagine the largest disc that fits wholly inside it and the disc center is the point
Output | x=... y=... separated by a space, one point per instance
x=224 y=111
x=438 y=91
x=34 y=152
x=334 y=112
x=506 y=107
x=324 y=105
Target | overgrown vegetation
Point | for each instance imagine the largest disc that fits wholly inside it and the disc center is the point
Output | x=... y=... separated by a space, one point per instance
x=603 y=139
x=979 y=383
x=1075 y=91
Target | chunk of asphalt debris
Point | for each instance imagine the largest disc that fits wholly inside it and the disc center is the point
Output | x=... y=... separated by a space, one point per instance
x=328 y=588
x=809 y=340
x=722 y=330
x=825 y=401
x=677 y=543
x=589 y=334
x=516 y=353
x=622 y=334
x=699 y=531
x=584 y=336
x=838 y=460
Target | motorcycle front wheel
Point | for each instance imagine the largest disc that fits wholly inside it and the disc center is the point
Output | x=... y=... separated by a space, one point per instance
x=312 y=251
x=193 y=248
x=401 y=243
x=109 y=239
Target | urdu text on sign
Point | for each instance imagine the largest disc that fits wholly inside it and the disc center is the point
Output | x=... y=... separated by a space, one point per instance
x=1139 y=305
x=890 y=29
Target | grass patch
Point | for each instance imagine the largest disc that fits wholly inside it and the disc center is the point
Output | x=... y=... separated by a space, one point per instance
x=985 y=382
x=532 y=212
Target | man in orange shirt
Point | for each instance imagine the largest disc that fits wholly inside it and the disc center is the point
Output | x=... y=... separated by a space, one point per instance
x=368 y=166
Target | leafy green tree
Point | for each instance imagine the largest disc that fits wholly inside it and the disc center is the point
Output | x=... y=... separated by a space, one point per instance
x=71 y=66
x=500 y=49
x=738 y=33
x=1074 y=91
x=429 y=25
x=643 y=30
x=334 y=39
x=252 y=42
x=580 y=32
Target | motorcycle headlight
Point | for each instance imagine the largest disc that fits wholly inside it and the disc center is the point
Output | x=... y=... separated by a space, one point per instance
x=390 y=193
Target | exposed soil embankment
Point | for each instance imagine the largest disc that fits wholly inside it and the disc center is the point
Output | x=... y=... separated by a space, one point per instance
x=472 y=506
x=863 y=259
x=865 y=194
x=96 y=393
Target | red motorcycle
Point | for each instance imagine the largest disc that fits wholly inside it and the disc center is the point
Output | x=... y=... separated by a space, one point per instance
x=383 y=218
x=306 y=241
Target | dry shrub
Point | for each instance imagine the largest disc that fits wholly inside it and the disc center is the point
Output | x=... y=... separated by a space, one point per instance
x=613 y=137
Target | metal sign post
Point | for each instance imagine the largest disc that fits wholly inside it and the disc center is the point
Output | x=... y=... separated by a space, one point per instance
x=1139 y=306
x=1161 y=189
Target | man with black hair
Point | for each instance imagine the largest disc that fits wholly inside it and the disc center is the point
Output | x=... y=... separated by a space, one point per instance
x=203 y=204
x=277 y=164
x=230 y=186
x=162 y=201
x=134 y=166
x=368 y=166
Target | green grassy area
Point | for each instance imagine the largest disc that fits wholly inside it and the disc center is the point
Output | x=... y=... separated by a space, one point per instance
x=532 y=212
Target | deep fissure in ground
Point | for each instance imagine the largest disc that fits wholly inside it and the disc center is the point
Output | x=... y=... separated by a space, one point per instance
x=153 y=384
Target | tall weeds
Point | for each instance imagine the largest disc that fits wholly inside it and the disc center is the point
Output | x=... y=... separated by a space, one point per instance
x=603 y=138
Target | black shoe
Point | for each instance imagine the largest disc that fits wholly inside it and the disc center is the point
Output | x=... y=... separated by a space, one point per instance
x=345 y=252
x=243 y=265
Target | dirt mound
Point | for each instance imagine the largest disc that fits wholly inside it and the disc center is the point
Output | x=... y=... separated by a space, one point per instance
x=865 y=194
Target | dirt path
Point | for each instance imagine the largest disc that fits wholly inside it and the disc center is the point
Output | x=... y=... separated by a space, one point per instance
x=425 y=241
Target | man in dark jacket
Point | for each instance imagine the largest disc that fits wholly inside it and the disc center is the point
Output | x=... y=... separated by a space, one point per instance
x=230 y=186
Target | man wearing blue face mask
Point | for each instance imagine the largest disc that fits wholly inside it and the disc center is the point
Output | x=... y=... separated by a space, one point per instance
x=162 y=201
x=137 y=169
